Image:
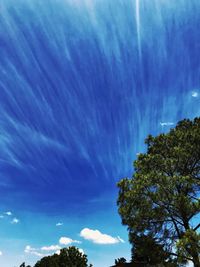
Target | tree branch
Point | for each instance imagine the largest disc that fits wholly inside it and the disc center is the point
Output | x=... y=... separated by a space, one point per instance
x=185 y=257
x=196 y=227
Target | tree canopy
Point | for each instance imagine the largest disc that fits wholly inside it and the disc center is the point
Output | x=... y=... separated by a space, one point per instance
x=161 y=200
x=68 y=257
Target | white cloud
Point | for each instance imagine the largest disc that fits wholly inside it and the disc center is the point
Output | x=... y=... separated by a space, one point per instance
x=1 y=253
x=29 y=250
x=166 y=123
x=1 y=216
x=98 y=238
x=51 y=248
x=47 y=250
x=59 y=224
x=9 y=213
x=66 y=241
x=15 y=221
x=195 y=94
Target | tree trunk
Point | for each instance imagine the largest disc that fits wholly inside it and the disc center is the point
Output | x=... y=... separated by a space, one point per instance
x=196 y=263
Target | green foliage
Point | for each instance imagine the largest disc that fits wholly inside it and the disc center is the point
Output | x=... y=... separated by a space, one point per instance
x=49 y=261
x=162 y=198
x=187 y=242
x=142 y=246
x=72 y=257
x=68 y=257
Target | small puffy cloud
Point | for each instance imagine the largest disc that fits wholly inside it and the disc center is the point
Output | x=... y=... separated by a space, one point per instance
x=29 y=249
x=66 y=241
x=195 y=94
x=98 y=238
x=8 y=213
x=166 y=123
x=51 y=248
x=1 y=253
x=59 y=224
x=15 y=221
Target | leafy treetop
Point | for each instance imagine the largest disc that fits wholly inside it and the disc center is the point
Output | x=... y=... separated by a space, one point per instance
x=162 y=198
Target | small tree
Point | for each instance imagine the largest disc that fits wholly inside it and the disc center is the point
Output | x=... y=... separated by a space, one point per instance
x=162 y=199
x=50 y=261
x=72 y=257
x=68 y=257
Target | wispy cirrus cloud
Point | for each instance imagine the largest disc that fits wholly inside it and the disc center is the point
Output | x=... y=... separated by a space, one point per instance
x=99 y=238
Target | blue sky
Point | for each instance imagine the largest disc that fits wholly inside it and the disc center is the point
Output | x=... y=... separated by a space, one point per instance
x=82 y=83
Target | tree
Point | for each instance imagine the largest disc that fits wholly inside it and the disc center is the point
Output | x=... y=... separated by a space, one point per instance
x=72 y=257
x=120 y=261
x=49 y=261
x=68 y=257
x=147 y=252
x=162 y=198
x=24 y=265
